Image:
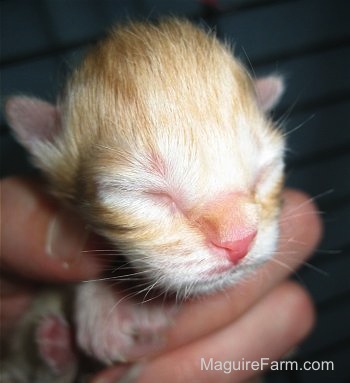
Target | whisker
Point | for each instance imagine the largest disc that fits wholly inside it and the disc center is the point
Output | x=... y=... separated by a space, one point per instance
x=99 y=250
x=310 y=200
x=292 y=240
x=328 y=251
x=118 y=277
x=283 y=118
x=153 y=298
x=315 y=268
x=104 y=279
x=120 y=301
x=289 y=268
x=149 y=290
x=301 y=215
x=249 y=62
x=286 y=134
x=132 y=273
x=306 y=264
x=286 y=253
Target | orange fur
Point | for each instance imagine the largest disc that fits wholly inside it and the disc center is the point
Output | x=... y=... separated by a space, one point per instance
x=161 y=142
x=160 y=115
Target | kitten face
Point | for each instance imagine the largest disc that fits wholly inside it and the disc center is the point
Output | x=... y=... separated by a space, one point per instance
x=165 y=148
x=175 y=203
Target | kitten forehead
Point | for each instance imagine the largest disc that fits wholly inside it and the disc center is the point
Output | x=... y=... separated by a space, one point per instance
x=161 y=77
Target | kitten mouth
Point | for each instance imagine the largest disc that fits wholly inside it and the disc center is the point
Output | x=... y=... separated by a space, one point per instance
x=218 y=270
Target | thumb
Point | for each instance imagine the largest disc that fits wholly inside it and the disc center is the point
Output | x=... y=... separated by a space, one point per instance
x=39 y=239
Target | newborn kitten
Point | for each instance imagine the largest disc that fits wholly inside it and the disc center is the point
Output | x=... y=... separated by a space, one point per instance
x=162 y=143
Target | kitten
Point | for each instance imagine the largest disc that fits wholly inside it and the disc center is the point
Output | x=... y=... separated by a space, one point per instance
x=162 y=142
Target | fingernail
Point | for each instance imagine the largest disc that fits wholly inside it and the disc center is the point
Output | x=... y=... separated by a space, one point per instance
x=66 y=237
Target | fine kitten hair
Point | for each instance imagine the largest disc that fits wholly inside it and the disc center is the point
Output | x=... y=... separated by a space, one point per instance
x=163 y=143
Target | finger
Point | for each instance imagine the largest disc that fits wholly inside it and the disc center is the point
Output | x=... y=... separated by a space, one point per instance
x=15 y=299
x=113 y=375
x=300 y=233
x=40 y=240
x=271 y=328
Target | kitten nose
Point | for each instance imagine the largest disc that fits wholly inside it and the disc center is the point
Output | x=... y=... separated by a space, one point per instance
x=236 y=249
x=230 y=222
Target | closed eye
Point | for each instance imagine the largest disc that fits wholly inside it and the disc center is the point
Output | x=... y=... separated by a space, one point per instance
x=159 y=196
x=269 y=170
x=262 y=174
x=164 y=199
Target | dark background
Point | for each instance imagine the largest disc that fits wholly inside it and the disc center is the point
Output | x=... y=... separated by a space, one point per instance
x=307 y=41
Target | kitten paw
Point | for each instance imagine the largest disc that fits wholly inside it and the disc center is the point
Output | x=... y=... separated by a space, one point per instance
x=55 y=343
x=115 y=329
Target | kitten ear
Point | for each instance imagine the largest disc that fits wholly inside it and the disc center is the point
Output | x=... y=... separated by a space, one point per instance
x=269 y=90
x=32 y=120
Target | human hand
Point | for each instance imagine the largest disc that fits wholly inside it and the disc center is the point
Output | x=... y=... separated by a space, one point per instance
x=263 y=317
x=39 y=243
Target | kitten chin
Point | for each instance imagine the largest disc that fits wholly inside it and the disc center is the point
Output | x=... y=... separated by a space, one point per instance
x=162 y=141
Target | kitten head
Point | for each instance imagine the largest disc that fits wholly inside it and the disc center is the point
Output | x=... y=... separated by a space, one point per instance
x=162 y=142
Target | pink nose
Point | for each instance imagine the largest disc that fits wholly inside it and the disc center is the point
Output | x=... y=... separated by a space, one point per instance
x=237 y=249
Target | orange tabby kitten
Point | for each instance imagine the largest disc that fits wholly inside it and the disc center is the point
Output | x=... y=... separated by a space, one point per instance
x=161 y=141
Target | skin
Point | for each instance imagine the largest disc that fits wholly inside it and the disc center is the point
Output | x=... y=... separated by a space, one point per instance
x=265 y=316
